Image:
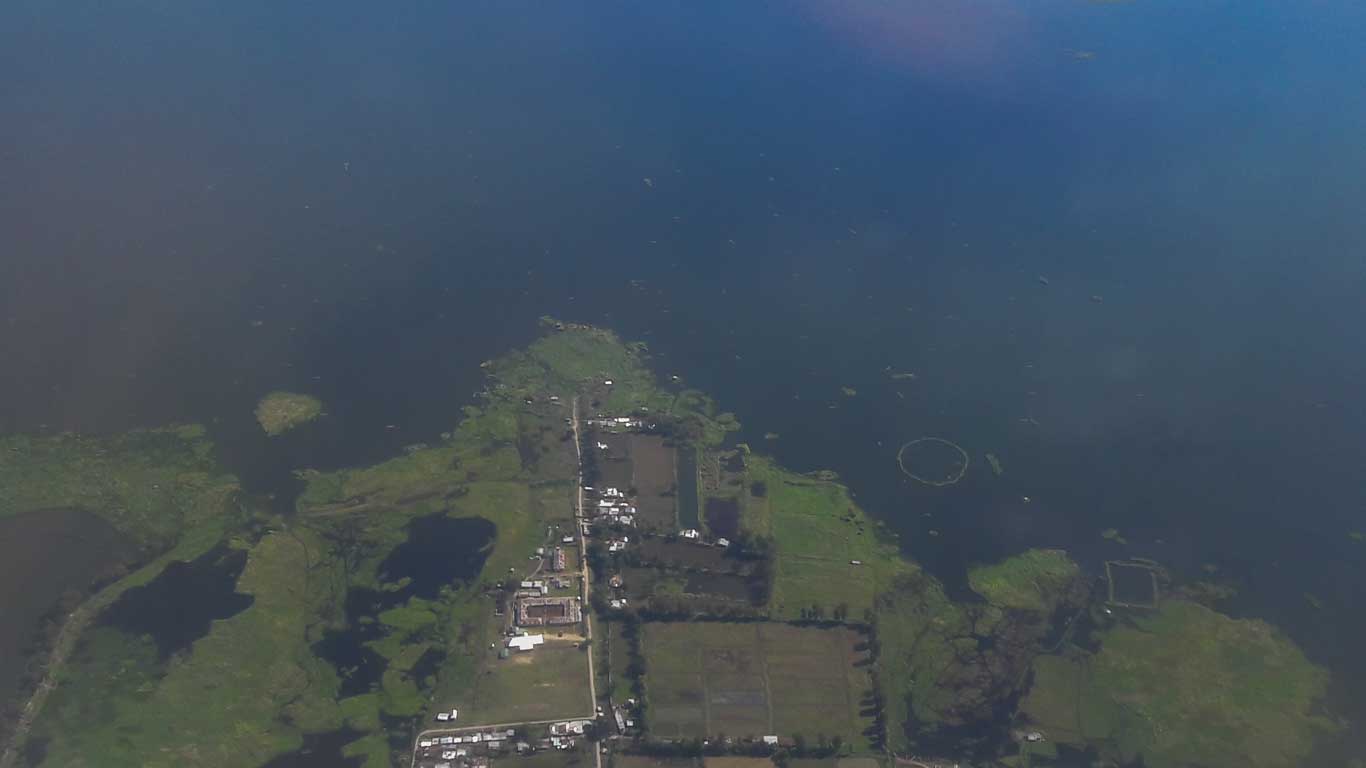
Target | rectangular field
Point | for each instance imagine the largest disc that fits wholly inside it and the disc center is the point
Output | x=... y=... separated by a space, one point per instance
x=615 y=466
x=655 y=481
x=548 y=682
x=754 y=679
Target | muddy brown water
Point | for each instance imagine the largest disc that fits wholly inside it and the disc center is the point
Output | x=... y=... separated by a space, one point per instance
x=44 y=554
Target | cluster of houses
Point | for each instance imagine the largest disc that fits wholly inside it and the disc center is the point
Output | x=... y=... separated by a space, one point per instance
x=473 y=749
x=611 y=506
x=616 y=423
x=468 y=750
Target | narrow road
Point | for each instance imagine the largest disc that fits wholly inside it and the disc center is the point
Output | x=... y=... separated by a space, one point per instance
x=583 y=565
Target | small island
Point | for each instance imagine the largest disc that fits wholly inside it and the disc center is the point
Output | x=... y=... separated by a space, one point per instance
x=279 y=412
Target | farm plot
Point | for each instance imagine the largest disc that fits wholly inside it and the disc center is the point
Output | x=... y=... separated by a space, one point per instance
x=548 y=682
x=654 y=480
x=747 y=680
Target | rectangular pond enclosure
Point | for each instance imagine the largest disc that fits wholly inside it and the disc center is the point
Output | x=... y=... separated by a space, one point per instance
x=1132 y=584
x=688 y=516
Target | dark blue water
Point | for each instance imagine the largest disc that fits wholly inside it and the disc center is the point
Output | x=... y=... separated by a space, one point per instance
x=203 y=202
x=438 y=552
x=180 y=605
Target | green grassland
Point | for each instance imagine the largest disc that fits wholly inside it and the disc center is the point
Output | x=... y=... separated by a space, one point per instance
x=548 y=682
x=754 y=679
x=618 y=661
x=279 y=412
x=150 y=484
x=247 y=691
x=1181 y=686
x=818 y=532
x=651 y=761
x=1029 y=581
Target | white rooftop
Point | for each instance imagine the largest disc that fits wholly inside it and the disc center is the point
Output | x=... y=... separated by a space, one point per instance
x=525 y=642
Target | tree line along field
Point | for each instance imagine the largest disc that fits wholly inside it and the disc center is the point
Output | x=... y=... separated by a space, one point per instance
x=747 y=680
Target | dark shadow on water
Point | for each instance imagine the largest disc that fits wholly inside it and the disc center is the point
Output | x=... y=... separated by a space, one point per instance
x=320 y=750
x=439 y=550
x=179 y=605
x=359 y=667
x=428 y=664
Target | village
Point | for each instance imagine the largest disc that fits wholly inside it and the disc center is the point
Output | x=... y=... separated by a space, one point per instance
x=547 y=609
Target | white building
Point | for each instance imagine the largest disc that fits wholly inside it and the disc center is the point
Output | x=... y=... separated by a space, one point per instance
x=525 y=642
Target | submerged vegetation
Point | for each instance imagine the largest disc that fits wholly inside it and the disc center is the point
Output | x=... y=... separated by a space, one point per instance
x=279 y=412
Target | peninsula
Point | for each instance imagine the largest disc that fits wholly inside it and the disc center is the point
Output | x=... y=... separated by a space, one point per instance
x=590 y=568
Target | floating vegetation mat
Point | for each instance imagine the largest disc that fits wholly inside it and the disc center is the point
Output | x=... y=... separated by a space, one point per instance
x=933 y=461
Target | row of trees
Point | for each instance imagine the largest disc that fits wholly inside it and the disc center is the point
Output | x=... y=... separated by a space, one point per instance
x=799 y=745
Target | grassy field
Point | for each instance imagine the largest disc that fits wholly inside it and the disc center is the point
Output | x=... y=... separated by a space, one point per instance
x=648 y=761
x=738 y=762
x=546 y=683
x=1185 y=685
x=1028 y=581
x=819 y=532
x=755 y=679
x=618 y=661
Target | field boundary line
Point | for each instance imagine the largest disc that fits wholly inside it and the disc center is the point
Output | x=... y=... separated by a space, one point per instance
x=706 y=689
x=763 y=660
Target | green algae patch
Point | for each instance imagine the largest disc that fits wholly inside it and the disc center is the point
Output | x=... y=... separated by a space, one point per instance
x=1182 y=686
x=151 y=484
x=279 y=412
x=1028 y=581
x=994 y=462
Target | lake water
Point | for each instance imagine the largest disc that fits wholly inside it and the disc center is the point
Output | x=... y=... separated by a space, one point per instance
x=180 y=605
x=439 y=551
x=1120 y=245
x=47 y=557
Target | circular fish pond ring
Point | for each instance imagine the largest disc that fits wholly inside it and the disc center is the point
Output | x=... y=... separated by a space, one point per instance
x=933 y=461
